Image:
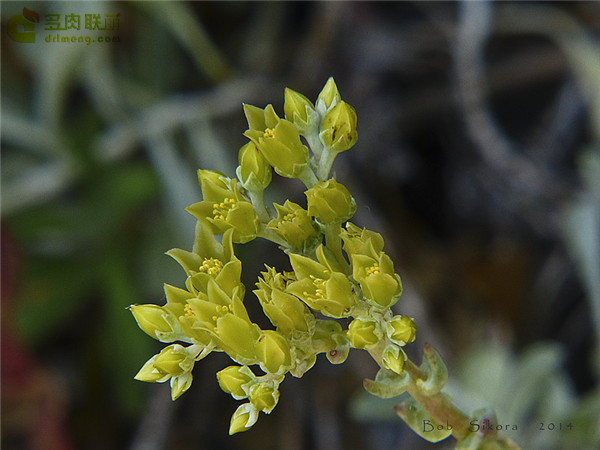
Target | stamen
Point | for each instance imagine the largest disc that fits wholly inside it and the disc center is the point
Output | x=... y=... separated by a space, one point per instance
x=220 y=210
x=212 y=266
x=189 y=312
x=373 y=270
x=269 y=133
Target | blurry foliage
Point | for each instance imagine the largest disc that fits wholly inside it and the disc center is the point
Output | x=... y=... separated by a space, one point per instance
x=478 y=157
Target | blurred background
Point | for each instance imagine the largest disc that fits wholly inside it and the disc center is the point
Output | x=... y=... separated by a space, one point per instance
x=478 y=159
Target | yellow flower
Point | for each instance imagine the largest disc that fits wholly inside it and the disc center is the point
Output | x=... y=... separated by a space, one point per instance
x=224 y=208
x=294 y=224
x=278 y=140
x=174 y=362
x=320 y=285
x=381 y=286
x=284 y=310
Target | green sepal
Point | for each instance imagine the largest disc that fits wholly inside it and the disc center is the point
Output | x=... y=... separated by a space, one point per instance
x=387 y=384
x=420 y=422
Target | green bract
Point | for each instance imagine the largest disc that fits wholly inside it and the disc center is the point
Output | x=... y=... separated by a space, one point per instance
x=338 y=270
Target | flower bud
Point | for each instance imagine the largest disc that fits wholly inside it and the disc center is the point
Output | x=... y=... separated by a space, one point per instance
x=264 y=397
x=150 y=374
x=401 y=330
x=300 y=111
x=238 y=336
x=174 y=360
x=328 y=97
x=215 y=177
x=338 y=128
x=254 y=172
x=243 y=418
x=282 y=148
x=394 y=358
x=330 y=202
x=294 y=224
x=273 y=351
x=233 y=378
x=157 y=322
x=364 y=333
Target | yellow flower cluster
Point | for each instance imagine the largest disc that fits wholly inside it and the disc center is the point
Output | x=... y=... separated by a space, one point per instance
x=339 y=271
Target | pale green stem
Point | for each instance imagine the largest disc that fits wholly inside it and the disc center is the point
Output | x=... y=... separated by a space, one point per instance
x=315 y=144
x=308 y=177
x=325 y=163
x=256 y=197
x=439 y=407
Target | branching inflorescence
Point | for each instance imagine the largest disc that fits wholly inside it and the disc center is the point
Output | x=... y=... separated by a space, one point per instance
x=339 y=271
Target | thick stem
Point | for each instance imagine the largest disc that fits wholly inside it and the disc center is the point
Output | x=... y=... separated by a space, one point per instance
x=438 y=406
x=315 y=144
x=256 y=197
x=308 y=177
x=325 y=163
